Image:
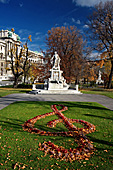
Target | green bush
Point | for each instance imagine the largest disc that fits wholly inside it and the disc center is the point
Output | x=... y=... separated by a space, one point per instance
x=25 y=86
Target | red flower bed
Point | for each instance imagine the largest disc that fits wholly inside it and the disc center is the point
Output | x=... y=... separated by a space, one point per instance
x=84 y=149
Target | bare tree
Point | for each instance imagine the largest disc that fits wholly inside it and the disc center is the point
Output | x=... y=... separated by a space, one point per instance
x=101 y=31
x=18 y=63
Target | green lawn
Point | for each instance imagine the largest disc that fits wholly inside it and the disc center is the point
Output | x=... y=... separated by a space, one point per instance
x=7 y=91
x=105 y=92
x=21 y=147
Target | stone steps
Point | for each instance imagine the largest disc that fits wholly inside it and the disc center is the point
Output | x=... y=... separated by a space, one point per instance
x=58 y=92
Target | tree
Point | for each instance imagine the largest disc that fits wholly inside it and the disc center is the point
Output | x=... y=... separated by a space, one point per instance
x=18 y=64
x=36 y=71
x=101 y=26
x=19 y=58
x=90 y=71
x=69 y=45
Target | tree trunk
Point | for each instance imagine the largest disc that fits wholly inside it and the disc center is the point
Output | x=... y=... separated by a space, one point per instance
x=15 y=82
x=87 y=82
x=24 y=78
x=110 y=76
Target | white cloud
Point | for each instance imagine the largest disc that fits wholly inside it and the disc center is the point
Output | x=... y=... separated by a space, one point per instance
x=4 y=1
x=21 y=4
x=23 y=39
x=23 y=32
x=88 y=3
x=37 y=38
x=56 y=25
x=65 y=23
x=86 y=26
x=78 y=21
x=73 y=20
x=38 y=33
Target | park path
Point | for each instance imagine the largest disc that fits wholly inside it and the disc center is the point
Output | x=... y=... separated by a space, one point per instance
x=103 y=100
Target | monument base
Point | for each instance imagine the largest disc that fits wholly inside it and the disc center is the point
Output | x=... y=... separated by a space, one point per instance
x=41 y=91
x=57 y=86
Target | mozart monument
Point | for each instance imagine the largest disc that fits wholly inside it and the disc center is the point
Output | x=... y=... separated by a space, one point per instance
x=56 y=81
x=56 y=84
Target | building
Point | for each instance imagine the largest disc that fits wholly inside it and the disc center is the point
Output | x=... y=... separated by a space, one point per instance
x=8 y=40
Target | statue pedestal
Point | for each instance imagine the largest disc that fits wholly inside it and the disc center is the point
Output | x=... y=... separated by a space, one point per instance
x=57 y=81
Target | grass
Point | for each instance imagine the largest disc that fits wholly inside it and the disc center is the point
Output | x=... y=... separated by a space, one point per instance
x=22 y=147
x=7 y=91
x=105 y=92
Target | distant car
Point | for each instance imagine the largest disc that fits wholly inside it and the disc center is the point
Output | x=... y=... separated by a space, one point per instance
x=33 y=92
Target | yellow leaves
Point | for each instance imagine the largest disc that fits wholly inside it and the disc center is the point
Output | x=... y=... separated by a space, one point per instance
x=106 y=150
x=7 y=68
x=9 y=147
x=29 y=38
x=107 y=65
x=19 y=166
x=12 y=29
x=102 y=63
x=16 y=164
x=24 y=45
x=84 y=162
x=39 y=144
x=86 y=158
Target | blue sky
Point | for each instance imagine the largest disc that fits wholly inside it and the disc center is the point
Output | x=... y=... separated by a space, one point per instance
x=36 y=17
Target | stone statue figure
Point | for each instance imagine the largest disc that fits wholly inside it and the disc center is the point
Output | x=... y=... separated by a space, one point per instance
x=55 y=61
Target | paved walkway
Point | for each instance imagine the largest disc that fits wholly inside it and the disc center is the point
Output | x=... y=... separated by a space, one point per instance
x=103 y=100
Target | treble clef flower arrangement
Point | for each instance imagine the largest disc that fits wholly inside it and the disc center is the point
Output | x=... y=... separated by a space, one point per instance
x=85 y=147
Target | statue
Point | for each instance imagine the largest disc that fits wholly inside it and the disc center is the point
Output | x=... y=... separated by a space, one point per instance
x=99 y=80
x=56 y=61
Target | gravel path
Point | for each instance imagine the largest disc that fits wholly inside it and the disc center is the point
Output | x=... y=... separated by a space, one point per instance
x=103 y=100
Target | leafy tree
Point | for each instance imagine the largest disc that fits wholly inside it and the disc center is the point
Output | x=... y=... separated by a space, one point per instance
x=107 y=65
x=36 y=71
x=90 y=71
x=69 y=45
x=101 y=26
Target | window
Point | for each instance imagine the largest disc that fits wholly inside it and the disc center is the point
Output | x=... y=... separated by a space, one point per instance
x=1 y=71
x=2 y=64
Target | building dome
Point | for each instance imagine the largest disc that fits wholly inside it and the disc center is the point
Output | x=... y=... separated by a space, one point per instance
x=18 y=38
x=9 y=34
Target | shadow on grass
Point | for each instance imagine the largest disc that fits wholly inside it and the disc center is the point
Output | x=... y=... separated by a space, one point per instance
x=24 y=91
x=11 y=124
x=84 y=105
x=99 y=116
x=46 y=128
x=100 y=141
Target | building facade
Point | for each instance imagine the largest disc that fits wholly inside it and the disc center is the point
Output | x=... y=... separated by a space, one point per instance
x=8 y=40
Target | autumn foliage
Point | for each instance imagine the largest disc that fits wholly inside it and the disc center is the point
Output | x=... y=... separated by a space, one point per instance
x=101 y=32
x=69 y=45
